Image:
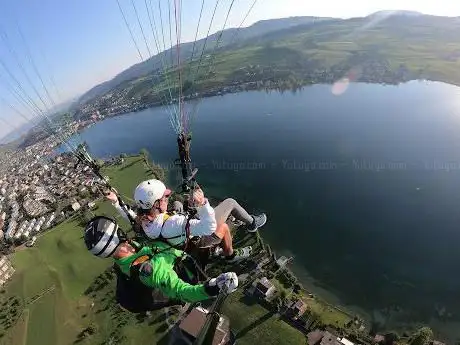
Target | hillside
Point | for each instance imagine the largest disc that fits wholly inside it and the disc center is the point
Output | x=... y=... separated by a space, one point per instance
x=258 y=29
x=386 y=47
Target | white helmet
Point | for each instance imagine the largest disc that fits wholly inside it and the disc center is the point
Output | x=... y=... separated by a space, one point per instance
x=148 y=192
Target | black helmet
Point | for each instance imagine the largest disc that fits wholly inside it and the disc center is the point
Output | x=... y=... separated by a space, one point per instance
x=102 y=236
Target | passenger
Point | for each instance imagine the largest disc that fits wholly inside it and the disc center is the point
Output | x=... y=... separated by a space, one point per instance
x=158 y=266
x=151 y=198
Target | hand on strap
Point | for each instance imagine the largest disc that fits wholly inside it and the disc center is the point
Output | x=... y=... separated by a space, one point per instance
x=112 y=196
x=226 y=281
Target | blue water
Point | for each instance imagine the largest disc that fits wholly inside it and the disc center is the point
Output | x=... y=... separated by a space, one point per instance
x=362 y=188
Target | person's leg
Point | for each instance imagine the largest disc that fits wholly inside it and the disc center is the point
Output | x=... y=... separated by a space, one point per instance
x=220 y=237
x=223 y=232
x=231 y=207
x=231 y=254
x=223 y=238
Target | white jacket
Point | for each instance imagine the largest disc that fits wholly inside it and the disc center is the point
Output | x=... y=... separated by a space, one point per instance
x=173 y=229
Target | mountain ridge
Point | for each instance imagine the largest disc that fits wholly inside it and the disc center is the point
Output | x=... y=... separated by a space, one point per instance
x=425 y=46
x=137 y=70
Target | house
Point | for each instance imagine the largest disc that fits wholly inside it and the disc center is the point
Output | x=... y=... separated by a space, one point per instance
x=282 y=262
x=75 y=206
x=94 y=190
x=6 y=270
x=330 y=339
x=345 y=341
x=264 y=288
x=314 y=338
x=192 y=324
x=262 y=263
x=379 y=338
x=296 y=309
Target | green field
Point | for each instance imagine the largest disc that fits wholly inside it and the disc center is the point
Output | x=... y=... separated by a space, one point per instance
x=60 y=268
x=60 y=260
x=127 y=176
x=253 y=324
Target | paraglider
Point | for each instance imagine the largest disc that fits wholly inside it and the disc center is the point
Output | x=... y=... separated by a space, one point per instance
x=157 y=266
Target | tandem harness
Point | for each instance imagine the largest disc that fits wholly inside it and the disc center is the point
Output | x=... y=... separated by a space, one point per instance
x=134 y=296
x=166 y=216
x=190 y=248
x=140 y=234
x=185 y=267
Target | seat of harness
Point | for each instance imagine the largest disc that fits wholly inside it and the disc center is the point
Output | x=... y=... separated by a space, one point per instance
x=133 y=295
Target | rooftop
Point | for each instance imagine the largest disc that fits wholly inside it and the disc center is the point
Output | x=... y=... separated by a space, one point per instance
x=194 y=322
x=330 y=339
x=315 y=337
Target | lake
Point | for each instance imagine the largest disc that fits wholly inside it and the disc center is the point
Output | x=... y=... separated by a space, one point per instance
x=362 y=188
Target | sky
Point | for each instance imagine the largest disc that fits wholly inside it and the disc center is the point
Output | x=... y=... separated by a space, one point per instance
x=76 y=44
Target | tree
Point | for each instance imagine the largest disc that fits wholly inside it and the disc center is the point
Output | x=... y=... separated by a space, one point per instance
x=60 y=205
x=187 y=85
x=158 y=172
x=85 y=217
x=283 y=294
x=100 y=163
x=297 y=287
x=423 y=336
x=84 y=193
x=374 y=328
x=278 y=303
x=123 y=155
x=269 y=250
x=92 y=328
x=144 y=153
x=391 y=338
x=23 y=238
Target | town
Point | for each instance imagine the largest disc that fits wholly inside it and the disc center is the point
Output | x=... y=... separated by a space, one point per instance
x=39 y=189
x=126 y=99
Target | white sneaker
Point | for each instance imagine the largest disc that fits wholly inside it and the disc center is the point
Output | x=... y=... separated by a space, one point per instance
x=217 y=251
x=241 y=254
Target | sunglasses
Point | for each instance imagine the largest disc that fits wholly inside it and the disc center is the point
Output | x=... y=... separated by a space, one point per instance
x=166 y=195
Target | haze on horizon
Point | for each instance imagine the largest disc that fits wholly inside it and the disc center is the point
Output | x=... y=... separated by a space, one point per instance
x=77 y=45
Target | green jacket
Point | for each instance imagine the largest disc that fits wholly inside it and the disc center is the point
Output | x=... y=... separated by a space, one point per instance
x=158 y=273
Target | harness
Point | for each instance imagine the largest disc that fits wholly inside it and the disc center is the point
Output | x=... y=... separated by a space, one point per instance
x=133 y=295
x=136 y=266
x=183 y=266
x=183 y=247
x=187 y=250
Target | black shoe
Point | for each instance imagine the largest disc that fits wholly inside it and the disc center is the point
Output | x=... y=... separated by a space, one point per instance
x=258 y=222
